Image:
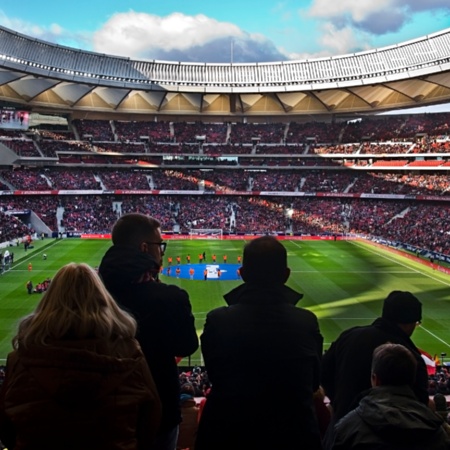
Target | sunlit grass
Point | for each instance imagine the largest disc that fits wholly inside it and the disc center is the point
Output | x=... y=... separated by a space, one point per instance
x=344 y=283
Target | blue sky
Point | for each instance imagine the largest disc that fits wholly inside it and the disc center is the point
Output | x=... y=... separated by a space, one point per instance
x=221 y=31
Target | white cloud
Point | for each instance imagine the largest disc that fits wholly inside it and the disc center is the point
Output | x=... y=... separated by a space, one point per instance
x=20 y=26
x=420 y=5
x=176 y=37
x=358 y=10
x=134 y=34
x=54 y=34
x=335 y=41
x=376 y=17
x=339 y=41
x=179 y=37
x=56 y=29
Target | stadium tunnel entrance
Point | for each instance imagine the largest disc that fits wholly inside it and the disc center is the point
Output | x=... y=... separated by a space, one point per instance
x=214 y=272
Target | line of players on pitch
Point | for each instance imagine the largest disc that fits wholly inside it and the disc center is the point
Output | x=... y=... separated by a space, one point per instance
x=201 y=260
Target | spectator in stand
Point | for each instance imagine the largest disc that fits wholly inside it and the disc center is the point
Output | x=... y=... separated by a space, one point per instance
x=97 y=130
x=190 y=415
x=77 y=378
x=166 y=327
x=132 y=131
x=261 y=319
x=12 y=228
x=73 y=179
x=44 y=207
x=120 y=179
x=440 y=406
x=188 y=132
x=94 y=216
x=322 y=410
x=389 y=416
x=346 y=366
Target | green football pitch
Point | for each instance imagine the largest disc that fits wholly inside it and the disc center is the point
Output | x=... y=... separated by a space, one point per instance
x=343 y=282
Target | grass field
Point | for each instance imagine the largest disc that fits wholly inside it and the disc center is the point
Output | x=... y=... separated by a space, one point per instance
x=343 y=282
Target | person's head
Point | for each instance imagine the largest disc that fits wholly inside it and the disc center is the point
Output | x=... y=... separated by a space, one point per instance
x=187 y=389
x=75 y=306
x=403 y=309
x=440 y=402
x=140 y=232
x=393 y=365
x=265 y=260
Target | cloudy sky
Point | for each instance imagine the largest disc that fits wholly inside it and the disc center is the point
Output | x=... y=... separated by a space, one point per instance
x=228 y=30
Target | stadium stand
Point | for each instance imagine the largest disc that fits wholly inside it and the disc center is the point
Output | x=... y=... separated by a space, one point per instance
x=300 y=167
x=252 y=168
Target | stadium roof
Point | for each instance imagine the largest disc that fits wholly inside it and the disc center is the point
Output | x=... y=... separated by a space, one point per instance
x=45 y=77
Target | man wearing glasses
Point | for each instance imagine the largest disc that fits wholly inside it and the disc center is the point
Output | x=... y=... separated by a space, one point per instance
x=166 y=327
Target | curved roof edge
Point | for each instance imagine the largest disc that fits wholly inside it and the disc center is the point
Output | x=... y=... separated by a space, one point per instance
x=418 y=57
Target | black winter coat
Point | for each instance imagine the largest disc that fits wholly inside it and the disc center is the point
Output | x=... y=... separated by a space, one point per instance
x=262 y=354
x=166 y=327
x=346 y=366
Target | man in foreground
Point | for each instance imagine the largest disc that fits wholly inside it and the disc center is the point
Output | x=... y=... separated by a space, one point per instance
x=262 y=355
x=390 y=416
x=166 y=327
x=346 y=366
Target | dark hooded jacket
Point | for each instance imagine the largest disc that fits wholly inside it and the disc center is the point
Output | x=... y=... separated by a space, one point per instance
x=346 y=366
x=166 y=327
x=262 y=355
x=74 y=395
x=391 y=418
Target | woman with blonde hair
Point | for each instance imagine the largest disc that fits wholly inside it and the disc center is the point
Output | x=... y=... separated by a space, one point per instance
x=77 y=378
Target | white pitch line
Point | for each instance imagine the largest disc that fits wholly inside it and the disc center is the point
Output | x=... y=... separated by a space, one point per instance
x=348 y=318
x=38 y=252
x=347 y=271
x=410 y=269
x=295 y=243
x=416 y=271
x=202 y=315
x=400 y=263
x=432 y=334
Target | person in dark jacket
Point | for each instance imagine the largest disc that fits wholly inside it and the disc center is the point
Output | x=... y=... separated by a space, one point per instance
x=390 y=416
x=166 y=326
x=262 y=354
x=346 y=366
x=77 y=378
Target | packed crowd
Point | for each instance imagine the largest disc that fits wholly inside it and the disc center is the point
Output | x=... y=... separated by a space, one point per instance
x=51 y=148
x=135 y=131
x=93 y=216
x=120 y=147
x=94 y=130
x=311 y=180
x=174 y=149
x=11 y=228
x=121 y=333
x=44 y=206
x=198 y=131
x=78 y=152
x=419 y=223
x=120 y=179
x=118 y=140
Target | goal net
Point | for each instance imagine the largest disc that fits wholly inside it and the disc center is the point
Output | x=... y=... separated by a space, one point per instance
x=207 y=233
